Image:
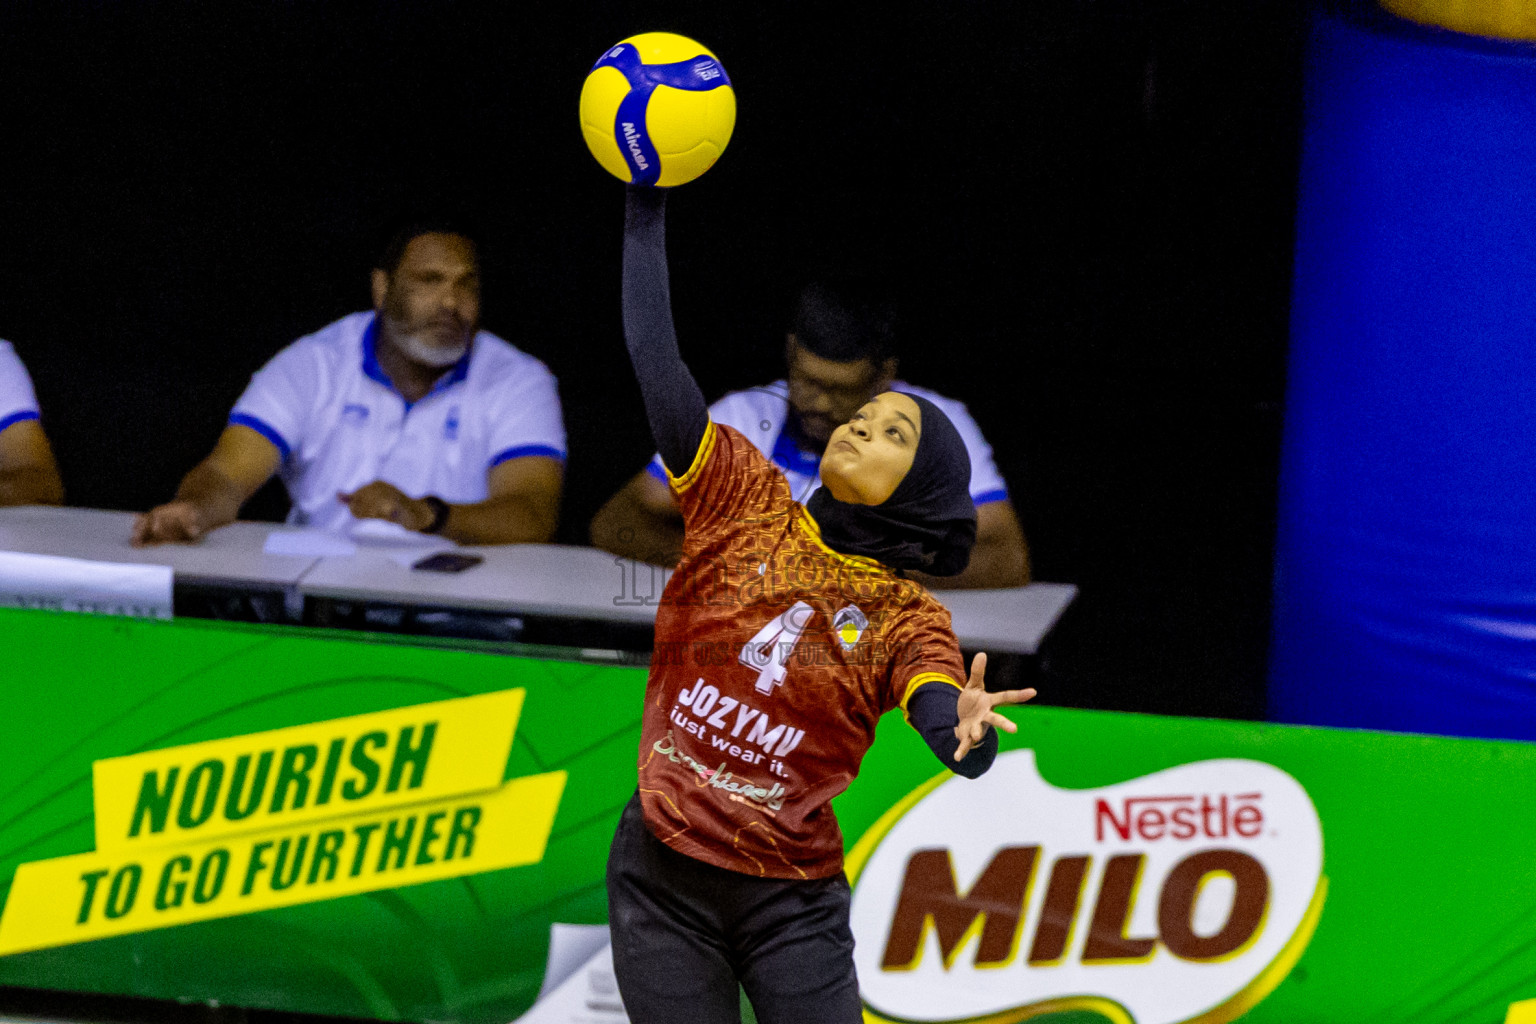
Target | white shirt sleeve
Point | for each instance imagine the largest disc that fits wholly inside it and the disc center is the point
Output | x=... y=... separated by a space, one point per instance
x=987 y=484
x=752 y=413
x=283 y=395
x=757 y=413
x=17 y=400
x=526 y=418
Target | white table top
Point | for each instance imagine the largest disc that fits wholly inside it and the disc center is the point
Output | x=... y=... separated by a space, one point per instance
x=1014 y=620
x=584 y=583
x=529 y=579
x=229 y=555
x=532 y=579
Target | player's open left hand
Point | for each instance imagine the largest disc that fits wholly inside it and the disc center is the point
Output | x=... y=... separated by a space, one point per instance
x=975 y=708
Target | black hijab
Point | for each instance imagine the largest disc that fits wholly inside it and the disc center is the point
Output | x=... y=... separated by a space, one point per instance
x=928 y=523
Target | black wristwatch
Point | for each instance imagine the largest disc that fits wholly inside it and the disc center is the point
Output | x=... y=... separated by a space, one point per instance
x=439 y=509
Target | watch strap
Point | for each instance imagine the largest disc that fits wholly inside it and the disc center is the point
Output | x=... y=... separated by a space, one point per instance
x=439 y=509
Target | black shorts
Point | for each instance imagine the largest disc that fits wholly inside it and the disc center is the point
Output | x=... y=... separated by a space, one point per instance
x=685 y=933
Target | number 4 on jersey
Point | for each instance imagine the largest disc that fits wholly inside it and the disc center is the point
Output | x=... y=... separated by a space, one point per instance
x=769 y=650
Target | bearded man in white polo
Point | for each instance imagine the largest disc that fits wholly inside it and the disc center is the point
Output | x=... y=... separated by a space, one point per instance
x=408 y=413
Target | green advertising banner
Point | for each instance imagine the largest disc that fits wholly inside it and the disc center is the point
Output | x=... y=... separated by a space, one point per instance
x=360 y=826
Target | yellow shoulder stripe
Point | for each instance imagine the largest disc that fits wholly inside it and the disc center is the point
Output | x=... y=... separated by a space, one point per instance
x=813 y=528
x=919 y=680
x=700 y=460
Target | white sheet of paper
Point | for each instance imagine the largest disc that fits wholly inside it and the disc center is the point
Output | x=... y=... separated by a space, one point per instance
x=590 y=995
x=403 y=547
x=78 y=585
x=308 y=543
x=570 y=946
x=381 y=533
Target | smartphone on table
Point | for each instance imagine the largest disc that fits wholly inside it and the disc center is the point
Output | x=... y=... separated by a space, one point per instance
x=448 y=561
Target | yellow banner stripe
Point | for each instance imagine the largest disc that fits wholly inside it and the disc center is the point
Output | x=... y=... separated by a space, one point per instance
x=95 y=895
x=282 y=777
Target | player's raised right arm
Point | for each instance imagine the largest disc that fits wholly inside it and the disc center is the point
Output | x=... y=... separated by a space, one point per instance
x=674 y=405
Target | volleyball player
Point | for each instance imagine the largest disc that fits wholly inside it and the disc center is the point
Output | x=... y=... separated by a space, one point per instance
x=783 y=637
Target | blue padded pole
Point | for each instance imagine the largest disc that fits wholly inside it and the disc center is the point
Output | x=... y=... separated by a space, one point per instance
x=1405 y=592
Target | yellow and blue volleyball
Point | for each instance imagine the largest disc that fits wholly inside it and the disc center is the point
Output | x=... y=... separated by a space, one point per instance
x=657 y=109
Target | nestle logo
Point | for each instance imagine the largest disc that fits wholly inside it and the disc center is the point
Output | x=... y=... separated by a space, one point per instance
x=1151 y=818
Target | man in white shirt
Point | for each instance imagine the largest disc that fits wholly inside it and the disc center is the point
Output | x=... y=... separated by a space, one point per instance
x=28 y=473
x=839 y=355
x=408 y=414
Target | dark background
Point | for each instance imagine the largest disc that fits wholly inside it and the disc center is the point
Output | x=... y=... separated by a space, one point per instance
x=1086 y=205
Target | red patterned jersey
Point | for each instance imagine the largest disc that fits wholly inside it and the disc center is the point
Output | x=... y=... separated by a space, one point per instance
x=775 y=657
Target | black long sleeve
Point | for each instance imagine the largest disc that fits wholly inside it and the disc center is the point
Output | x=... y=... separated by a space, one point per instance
x=673 y=402
x=934 y=711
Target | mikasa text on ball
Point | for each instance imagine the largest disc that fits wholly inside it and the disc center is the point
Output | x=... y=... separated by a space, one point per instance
x=657 y=109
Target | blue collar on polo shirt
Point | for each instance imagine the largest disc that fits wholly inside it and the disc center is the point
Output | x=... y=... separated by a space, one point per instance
x=372 y=368
x=790 y=456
